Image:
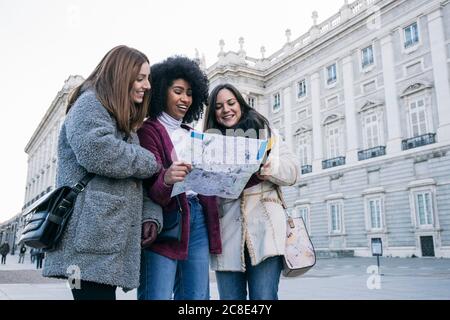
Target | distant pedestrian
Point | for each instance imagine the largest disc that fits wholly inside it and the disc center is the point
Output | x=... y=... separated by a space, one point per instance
x=22 y=252
x=32 y=255
x=4 y=250
x=40 y=254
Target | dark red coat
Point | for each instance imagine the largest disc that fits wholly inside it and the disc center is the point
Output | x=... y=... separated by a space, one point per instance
x=154 y=137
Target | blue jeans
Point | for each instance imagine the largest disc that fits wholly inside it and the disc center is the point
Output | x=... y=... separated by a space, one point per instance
x=185 y=279
x=262 y=279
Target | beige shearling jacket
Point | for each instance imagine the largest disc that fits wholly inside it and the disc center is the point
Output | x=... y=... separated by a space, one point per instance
x=257 y=219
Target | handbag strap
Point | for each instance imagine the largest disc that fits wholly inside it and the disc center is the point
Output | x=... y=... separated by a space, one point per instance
x=81 y=185
x=289 y=219
x=76 y=189
x=280 y=195
x=68 y=201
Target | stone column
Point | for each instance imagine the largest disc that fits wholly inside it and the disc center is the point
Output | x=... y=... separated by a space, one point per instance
x=33 y=176
x=390 y=90
x=440 y=72
x=287 y=109
x=28 y=190
x=33 y=187
x=350 y=112
x=317 y=125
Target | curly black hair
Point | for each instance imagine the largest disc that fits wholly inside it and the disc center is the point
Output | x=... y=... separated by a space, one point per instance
x=165 y=73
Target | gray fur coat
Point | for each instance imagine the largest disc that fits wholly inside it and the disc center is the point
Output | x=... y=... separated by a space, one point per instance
x=102 y=238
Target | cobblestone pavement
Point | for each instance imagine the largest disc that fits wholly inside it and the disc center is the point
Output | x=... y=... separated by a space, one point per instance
x=330 y=279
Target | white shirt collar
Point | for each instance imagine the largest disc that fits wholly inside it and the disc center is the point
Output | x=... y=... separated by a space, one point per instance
x=171 y=124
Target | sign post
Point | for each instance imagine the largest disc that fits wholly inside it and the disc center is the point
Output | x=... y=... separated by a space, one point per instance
x=377 y=250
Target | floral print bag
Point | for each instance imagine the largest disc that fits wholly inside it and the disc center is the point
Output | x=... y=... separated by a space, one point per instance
x=299 y=255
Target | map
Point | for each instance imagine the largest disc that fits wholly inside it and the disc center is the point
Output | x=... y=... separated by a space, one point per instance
x=221 y=165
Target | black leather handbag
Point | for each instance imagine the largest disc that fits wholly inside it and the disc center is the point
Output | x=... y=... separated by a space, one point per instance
x=49 y=216
x=171 y=230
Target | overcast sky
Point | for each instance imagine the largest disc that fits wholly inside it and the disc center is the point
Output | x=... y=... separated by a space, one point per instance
x=43 y=42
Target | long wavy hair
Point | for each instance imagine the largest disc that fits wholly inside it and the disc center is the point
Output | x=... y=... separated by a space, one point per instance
x=250 y=119
x=112 y=80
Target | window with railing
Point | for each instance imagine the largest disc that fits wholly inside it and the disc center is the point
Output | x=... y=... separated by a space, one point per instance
x=417 y=100
x=411 y=33
x=334 y=141
x=372 y=134
x=420 y=126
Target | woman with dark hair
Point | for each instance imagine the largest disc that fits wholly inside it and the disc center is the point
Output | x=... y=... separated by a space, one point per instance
x=100 y=248
x=180 y=90
x=253 y=227
x=241 y=115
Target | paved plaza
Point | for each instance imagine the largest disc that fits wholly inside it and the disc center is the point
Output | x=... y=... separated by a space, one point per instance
x=330 y=279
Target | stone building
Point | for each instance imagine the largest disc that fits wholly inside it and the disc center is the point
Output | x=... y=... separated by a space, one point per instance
x=363 y=99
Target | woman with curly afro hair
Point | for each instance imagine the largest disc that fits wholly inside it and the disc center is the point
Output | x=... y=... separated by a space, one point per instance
x=181 y=268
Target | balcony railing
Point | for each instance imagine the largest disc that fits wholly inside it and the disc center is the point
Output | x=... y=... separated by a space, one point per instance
x=371 y=153
x=306 y=169
x=419 y=141
x=335 y=162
